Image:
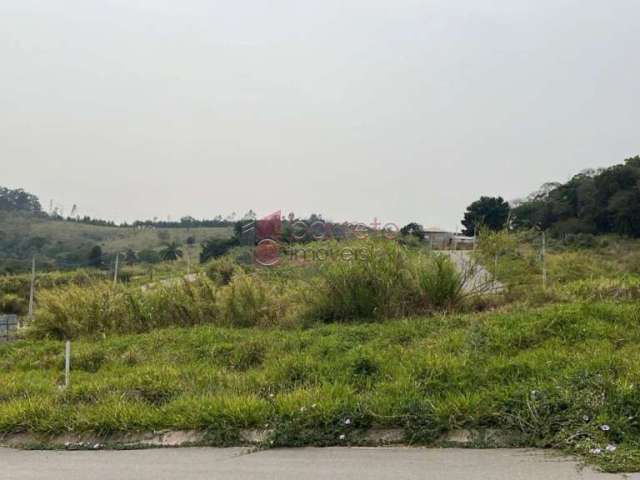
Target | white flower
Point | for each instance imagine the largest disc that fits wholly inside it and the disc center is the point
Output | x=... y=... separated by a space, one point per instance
x=595 y=451
x=302 y=409
x=585 y=418
x=611 y=448
x=604 y=428
x=347 y=421
x=314 y=405
x=343 y=436
x=271 y=395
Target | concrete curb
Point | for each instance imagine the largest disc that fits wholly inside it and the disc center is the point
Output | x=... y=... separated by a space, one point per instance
x=481 y=438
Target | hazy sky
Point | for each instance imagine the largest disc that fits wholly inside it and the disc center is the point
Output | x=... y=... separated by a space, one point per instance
x=398 y=109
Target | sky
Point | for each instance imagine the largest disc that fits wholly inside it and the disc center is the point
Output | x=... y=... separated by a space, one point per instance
x=400 y=110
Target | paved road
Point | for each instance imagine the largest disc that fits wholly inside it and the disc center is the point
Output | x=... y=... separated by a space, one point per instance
x=294 y=464
x=478 y=278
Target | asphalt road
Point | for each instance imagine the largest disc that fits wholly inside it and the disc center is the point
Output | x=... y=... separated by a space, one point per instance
x=477 y=278
x=294 y=464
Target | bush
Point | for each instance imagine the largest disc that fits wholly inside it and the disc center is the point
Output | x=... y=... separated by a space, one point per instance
x=11 y=303
x=222 y=270
x=216 y=247
x=249 y=301
x=377 y=283
x=440 y=283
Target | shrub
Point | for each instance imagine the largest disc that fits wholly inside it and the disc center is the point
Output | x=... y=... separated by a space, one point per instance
x=249 y=301
x=11 y=303
x=440 y=283
x=103 y=309
x=376 y=283
x=222 y=270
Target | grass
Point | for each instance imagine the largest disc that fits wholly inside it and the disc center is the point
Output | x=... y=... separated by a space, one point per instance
x=554 y=374
x=320 y=351
x=389 y=282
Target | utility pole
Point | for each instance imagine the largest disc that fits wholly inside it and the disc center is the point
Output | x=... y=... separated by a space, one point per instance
x=115 y=271
x=544 y=260
x=33 y=285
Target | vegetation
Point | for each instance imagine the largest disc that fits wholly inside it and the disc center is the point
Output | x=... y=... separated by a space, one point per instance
x=63 y=244
x=341 y=336
x=555 y=375
x=386 y=280
x=171 y=251
x=594 y=201
x=488 y=212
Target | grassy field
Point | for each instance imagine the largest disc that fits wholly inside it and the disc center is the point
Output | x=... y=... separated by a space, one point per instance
x=557 y=375
x=318 y=352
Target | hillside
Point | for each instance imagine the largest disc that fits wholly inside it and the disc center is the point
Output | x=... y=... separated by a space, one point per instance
x=64 y=244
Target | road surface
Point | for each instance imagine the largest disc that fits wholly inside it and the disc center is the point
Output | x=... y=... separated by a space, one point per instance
x=477 y=278
x=294 y=464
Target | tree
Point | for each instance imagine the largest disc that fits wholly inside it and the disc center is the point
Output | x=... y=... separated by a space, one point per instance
x=149 y=256
x=594 y=201
x=215 y=247
x=414 y=229
x=489 y=212
x=95 y=257
x=19 y=200
x=171 y=251
x=130 y=257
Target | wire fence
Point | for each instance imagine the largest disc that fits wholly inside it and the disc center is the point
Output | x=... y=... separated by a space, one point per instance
x=8 y=327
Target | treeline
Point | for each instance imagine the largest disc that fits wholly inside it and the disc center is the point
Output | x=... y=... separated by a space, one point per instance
x=595 y=201
x=19 y=201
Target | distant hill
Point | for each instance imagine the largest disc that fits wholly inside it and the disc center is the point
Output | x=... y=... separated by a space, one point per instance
x=57 y=243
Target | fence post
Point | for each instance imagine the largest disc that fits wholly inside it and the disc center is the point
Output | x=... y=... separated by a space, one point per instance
x=115 y=271
x=67 y=362
x=544 y=260
x=33 y=285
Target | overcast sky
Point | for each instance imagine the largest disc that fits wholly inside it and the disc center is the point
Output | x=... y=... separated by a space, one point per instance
x=403 y=110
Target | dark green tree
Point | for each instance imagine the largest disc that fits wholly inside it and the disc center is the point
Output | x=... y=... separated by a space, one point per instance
x=414 y=229
x=19 y=200
x=130 y=257
x=95 y=257
x=489 y=212
x=215 y=247
x=171 y=251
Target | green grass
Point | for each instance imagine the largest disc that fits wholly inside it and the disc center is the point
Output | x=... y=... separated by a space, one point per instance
x=303 y=347
x=541 y=372
x=390 y=282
